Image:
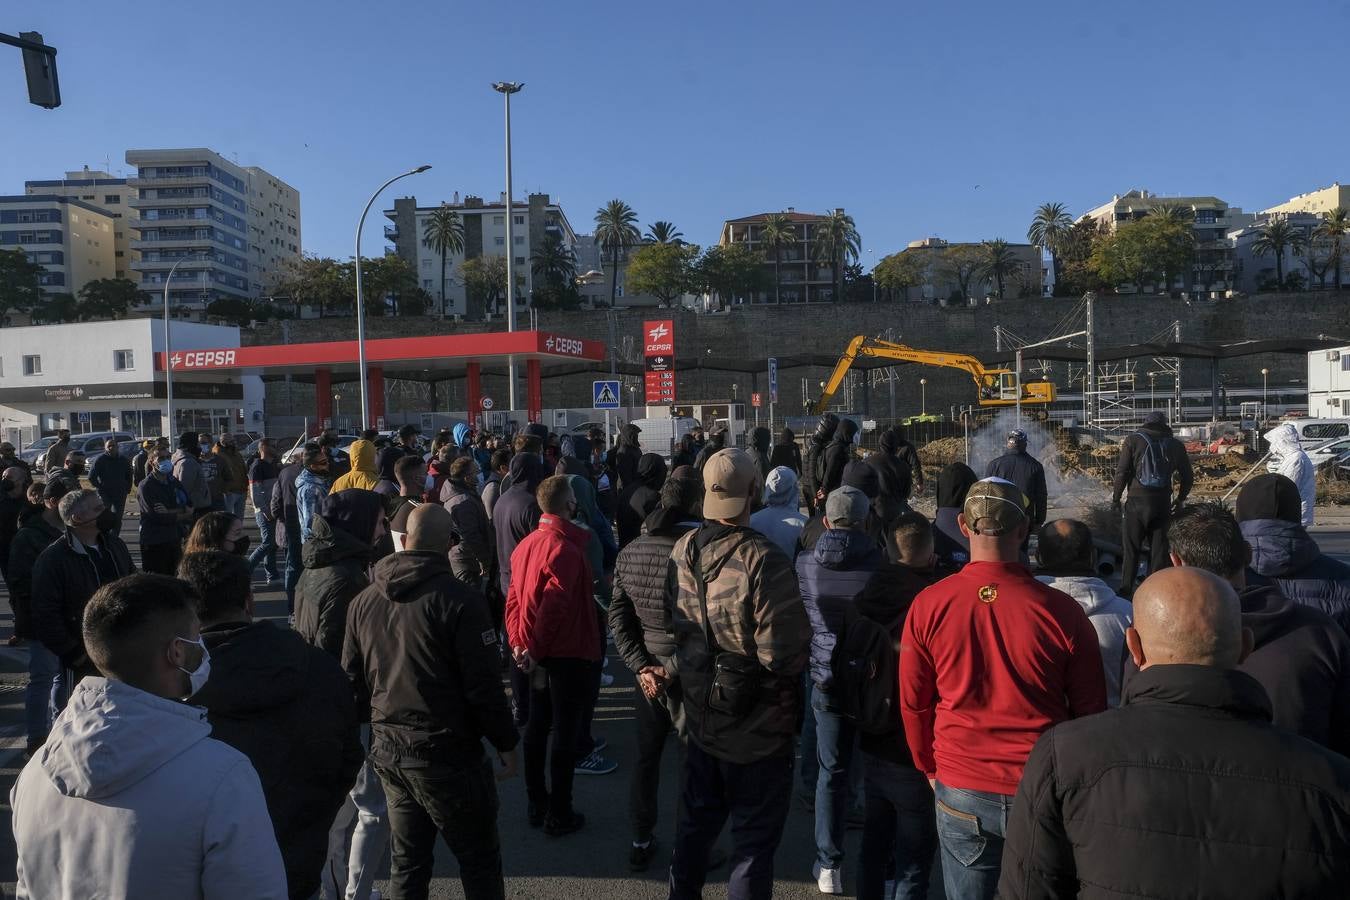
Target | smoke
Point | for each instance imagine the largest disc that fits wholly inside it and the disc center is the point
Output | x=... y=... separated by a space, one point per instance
x=1065 y=486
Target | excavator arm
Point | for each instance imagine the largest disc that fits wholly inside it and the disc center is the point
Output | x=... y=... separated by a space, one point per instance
x=996 y=387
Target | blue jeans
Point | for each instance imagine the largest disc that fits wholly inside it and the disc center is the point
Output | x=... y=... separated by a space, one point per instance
x=807 y=747
x=293 y=564
x=234 y=505
x=900 y=827
x=46 y=694
x=971 y=826
x=266 y=551
x=835 y=739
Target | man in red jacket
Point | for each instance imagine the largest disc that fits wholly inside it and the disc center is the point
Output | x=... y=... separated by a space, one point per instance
x=550 y=622
x=990 y=658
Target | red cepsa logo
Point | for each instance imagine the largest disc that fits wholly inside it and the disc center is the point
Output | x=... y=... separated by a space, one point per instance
x=202 y=359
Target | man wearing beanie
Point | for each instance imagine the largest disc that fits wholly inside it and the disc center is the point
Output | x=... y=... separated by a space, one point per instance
x=1269 y=511
x=187 y=469
x=831 y=574
x=1149 y=459
x=857 y=474
x=971 y=718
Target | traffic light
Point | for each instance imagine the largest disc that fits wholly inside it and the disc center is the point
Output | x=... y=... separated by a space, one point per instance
x=39 y=67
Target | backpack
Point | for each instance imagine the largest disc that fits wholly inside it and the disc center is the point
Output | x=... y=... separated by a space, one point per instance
x=1154 y=469
x=865 y=668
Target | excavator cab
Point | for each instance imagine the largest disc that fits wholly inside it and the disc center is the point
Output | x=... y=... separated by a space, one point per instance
x=1008 y=387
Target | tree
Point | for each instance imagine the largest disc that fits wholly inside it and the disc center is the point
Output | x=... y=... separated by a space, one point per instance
x=1275 y=237
x=232 y=310
x=555 y=271
x=776 y=233
x=836 y=239
x=1074 y=273
x=616 y=231
x=899 y=272
x=1000 y=261
x=663 y=270
x=1335 y=225
x=729 y=271
x=20 y=283
x=664 y=233
x=319 y=280
x=962 y=263
x=1142 y=252
x=444 y=235
x=390 y=283
x=108 y=298
x=55 y=309
x=1050 y=227
x=485 y=278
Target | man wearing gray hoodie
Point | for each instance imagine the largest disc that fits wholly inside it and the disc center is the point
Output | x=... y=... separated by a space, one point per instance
x=781 y=519
x=104 y=812
x=187 y=469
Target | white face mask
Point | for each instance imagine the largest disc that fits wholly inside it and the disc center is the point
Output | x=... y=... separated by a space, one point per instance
x=197 y=677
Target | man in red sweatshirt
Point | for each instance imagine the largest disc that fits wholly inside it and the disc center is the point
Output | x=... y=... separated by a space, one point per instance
x=990 y=658
x=550 y=622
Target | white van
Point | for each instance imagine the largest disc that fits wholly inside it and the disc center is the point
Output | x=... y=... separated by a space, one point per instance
x=660 y=436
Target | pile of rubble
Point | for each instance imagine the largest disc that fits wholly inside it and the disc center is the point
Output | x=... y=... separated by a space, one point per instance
x=943 y=452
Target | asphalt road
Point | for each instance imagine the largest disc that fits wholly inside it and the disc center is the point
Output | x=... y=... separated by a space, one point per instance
x=590 y=863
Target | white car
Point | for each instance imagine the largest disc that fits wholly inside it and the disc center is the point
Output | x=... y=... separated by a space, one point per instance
x=1325 y=453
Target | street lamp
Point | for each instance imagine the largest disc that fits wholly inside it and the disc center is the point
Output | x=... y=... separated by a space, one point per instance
x=506 y=89
x=360 y=304
x=923 y=396
x=337 y=410
x=168 y=345
x=1264 y=412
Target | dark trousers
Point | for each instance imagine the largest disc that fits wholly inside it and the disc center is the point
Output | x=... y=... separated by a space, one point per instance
x=587 y=741
x=161 y=559
x=294 y=566
x=755 y=796
x=560 y=707
x=115 y=502
x=460 y=803
x=1146 y=518
x=900 y=827
x=653 y=727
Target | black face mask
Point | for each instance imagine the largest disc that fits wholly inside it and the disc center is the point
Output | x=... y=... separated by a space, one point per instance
x=76 y=470
x=241 y=546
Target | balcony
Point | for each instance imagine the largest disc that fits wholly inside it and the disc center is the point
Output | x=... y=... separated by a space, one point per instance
x=139 y=203
x=173 y=181
x=391 y=232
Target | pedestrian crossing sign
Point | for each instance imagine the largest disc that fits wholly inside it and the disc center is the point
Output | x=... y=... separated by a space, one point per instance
x=605 y=395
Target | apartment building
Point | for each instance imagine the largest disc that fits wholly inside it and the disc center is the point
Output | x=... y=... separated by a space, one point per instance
x=1310 y=263
x=484 y=226
x=71 y=239
x=802 y=278
x=105 y=191
x=943 y=273
x=1211 y=219
x=1315 y=202
x=232 y=229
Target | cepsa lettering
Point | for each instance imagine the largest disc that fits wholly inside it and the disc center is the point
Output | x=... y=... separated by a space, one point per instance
x=203 y=359
x=568 y=346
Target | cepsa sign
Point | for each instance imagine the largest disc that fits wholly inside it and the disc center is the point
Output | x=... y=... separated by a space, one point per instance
x=566 y=346
x=659 y=338
x=202 y=359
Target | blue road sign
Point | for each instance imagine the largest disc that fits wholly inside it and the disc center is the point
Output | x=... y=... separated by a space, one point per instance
x=605 y=395
x=84 y=418
x=773 y=379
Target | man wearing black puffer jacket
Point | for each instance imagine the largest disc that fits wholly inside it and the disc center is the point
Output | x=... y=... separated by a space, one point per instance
x=814 y=458
x=349 y=525
x=642 y=633
x=637 y=501
x=839 y=453
x=1187 y=789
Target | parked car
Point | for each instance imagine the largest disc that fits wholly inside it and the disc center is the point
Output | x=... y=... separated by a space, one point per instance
x=1329 y=452
x=31 y=453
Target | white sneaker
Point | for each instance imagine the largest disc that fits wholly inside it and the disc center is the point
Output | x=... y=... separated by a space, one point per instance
x=829 y=881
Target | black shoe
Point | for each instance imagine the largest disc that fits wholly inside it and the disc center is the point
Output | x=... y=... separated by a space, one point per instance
x=639 y=858
x=554 y=827
x=538 y=813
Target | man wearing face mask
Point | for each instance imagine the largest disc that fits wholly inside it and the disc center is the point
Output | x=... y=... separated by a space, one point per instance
x=72 y=471
x=311 y=486
x=160 y=501
x=107 y=812
x=472 y=539
x=68 y=573
x=111 y=477
x=187 y=469
x=284 y=704
x=13 y=501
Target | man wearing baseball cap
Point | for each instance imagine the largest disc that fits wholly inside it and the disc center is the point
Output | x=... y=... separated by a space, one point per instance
x=990 y=659
x=741 y=641
x=1025 y=471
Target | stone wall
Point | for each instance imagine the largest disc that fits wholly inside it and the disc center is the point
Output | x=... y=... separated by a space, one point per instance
x=757 y=332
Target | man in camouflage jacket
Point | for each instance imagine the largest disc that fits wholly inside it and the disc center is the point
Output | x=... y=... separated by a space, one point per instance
x=735 y=765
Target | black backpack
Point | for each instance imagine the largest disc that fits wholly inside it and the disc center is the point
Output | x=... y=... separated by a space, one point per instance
x=1155 y=469
x=866 y=674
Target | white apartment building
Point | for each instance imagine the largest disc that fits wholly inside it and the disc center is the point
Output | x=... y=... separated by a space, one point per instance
x=105 y=191
x=102 y=376
x=71 y=239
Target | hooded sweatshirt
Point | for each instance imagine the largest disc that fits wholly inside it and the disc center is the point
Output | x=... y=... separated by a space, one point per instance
x=761 y=443
x=188 y=470
x=310 y=489
x=815 y=449
x=786 y=452
x=781 y=519
x=516 y=513
x=627 y=456
x=831 y=574
x=837 y=455
x=363 y=473
x=1109 y=615
x=638 y=501
x=602 y=550
x=130 y=797
x=951 y=546
x=335 y=571
x=1288 y=459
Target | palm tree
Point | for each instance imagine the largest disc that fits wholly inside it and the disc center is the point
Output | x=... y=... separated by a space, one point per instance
x=1000 y=261
x=664 y=233
x=1050 y=227
x=836 y=239
x=1174 y=212
x=444 y=235
x=554 y=263
x=615 y=230
x=1335 y=225
x=1275 y=237
x=776 y=233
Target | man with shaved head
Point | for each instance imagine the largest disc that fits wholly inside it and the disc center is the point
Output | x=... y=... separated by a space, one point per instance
x=422 y=657
x=1187 y=789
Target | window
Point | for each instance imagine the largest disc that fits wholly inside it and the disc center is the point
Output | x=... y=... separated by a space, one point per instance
x=27 y=237
x=426 y=284
x=498 y=220
x=123 y=361
x=519 y=238
x=112 y=198
x=32 y=365
x=1316 y=432
x=498 y=240
x=519 y=220
x=520 y=261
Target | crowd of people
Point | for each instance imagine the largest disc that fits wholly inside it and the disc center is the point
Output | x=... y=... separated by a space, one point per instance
x=784 y=611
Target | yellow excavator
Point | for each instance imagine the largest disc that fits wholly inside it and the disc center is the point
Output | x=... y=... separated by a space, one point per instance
x=996 y=387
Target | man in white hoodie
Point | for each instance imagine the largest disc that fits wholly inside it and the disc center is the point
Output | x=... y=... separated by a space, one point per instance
x=1067 y=559
x=130 y=796
x=1288 y=458
x=781 y=519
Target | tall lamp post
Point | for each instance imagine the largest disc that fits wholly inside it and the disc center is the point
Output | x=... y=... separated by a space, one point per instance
x=337 y=410
x=168 y=344
x=360 y=304
x=923 y=396
x=1265 y=414
x=506 y=89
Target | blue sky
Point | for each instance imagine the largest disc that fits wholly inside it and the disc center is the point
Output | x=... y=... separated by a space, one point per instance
x=953 y=119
